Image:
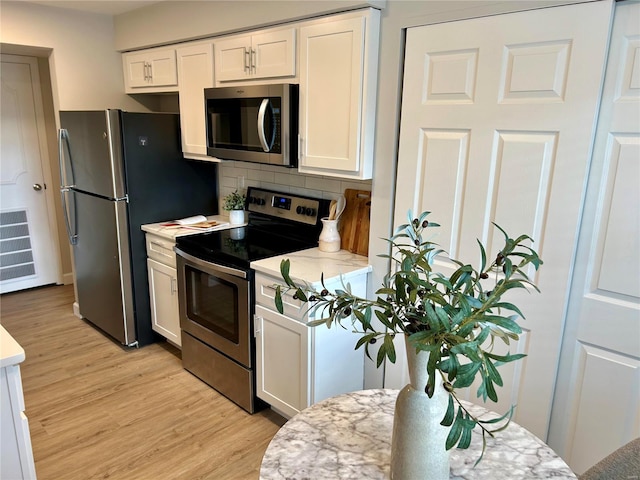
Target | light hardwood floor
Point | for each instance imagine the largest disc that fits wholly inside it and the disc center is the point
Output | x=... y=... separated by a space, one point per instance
x=98 y=410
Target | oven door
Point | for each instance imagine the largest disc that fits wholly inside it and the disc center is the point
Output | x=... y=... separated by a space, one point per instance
x=215 y=306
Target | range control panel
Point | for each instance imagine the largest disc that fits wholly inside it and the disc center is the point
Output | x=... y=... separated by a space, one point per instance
x=284 y=205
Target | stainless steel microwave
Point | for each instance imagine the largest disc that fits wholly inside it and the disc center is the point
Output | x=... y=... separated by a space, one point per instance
x=257 y=123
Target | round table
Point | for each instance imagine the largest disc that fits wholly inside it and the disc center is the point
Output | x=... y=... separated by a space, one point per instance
x=349 y=437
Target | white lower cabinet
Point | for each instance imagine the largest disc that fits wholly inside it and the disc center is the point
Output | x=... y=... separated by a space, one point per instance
x=282 y=353
x=163 y=291
x=163 y=288
x=298 y=365
x=16 y=455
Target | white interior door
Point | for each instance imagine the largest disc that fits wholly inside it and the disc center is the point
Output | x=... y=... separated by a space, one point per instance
x=497 y=126
x=597 y=403
x=27 y=253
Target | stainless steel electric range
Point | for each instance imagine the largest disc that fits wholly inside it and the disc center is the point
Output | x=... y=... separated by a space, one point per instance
x=216 y=287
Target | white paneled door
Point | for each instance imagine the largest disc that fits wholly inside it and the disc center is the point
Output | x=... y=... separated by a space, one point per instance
x=497 y=122
x=597 y=404
x=27 y=253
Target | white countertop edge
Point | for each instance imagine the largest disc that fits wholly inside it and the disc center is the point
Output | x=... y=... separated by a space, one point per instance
x=172 y=232
x=11 y=353
x=309 y=266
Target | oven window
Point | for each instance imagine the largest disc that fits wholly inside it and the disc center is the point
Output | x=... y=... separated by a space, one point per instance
x=212 y=303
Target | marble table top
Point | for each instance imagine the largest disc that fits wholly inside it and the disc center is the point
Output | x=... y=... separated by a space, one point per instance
x=349 y=437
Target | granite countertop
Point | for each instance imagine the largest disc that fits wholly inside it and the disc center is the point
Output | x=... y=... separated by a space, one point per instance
x=11 y=353
x=309 y=266
x=171 y=232
x=349 y=437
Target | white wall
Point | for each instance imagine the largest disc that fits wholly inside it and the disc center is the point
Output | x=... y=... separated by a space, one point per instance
x=86 y=71
x=148 y=26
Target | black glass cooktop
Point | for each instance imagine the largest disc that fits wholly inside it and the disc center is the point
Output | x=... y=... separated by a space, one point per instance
x=238 y=247
x=279 y=223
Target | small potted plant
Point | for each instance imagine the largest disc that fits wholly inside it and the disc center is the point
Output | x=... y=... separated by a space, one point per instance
x=450 y=324
x=234 y=204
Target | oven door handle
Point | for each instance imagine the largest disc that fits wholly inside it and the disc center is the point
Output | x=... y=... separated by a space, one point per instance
x=210 y=266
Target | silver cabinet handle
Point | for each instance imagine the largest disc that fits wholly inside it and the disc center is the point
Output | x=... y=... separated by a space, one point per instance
x=150 y=73
x=147 y=72
x=174 y=286
x=247 y=60
x=253 y=60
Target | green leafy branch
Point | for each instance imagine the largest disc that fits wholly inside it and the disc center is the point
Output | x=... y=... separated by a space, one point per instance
x=456 y=318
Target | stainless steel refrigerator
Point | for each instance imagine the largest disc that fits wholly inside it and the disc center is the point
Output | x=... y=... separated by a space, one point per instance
x=120 y=170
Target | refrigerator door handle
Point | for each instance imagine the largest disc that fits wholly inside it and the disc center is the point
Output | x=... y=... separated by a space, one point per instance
x=63 y=141
x=71 y=229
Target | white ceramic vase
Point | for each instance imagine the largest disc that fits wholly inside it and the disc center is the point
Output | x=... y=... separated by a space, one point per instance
x=418 y=441
x=329 y=240
x=236 y=217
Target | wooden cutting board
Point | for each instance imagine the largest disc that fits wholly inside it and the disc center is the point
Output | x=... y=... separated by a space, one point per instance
x=354 y=222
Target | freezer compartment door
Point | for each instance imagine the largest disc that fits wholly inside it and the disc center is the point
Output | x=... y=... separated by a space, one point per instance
x=90 y=152
x=103 y=271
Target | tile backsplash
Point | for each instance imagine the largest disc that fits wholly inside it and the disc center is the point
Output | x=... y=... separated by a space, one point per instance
x=240 y=175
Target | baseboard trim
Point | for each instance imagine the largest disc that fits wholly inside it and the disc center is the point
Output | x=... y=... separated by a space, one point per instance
x=76 y=310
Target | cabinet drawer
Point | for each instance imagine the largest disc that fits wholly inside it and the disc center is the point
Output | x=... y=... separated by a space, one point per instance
x=161 y=250
x=265 y=296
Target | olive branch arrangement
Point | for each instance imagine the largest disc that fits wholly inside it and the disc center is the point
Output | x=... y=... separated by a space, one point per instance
x=453 y=318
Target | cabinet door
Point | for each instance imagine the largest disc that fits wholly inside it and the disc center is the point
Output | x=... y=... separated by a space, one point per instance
x=163 y=68
x=232 y=58
x=195 y=73
x=273 y=54
x=135 y=70
x=163 y=293
x=15 y=438
x=337 y=90
x=150 y=71
x=282 y=361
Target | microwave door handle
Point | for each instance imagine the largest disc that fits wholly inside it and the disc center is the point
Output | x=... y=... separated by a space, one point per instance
x=261 y=135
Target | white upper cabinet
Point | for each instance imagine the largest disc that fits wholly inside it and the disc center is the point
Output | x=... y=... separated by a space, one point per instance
x=195 y=73
x=264 y=54
x=338 y=81
x=152 y=70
